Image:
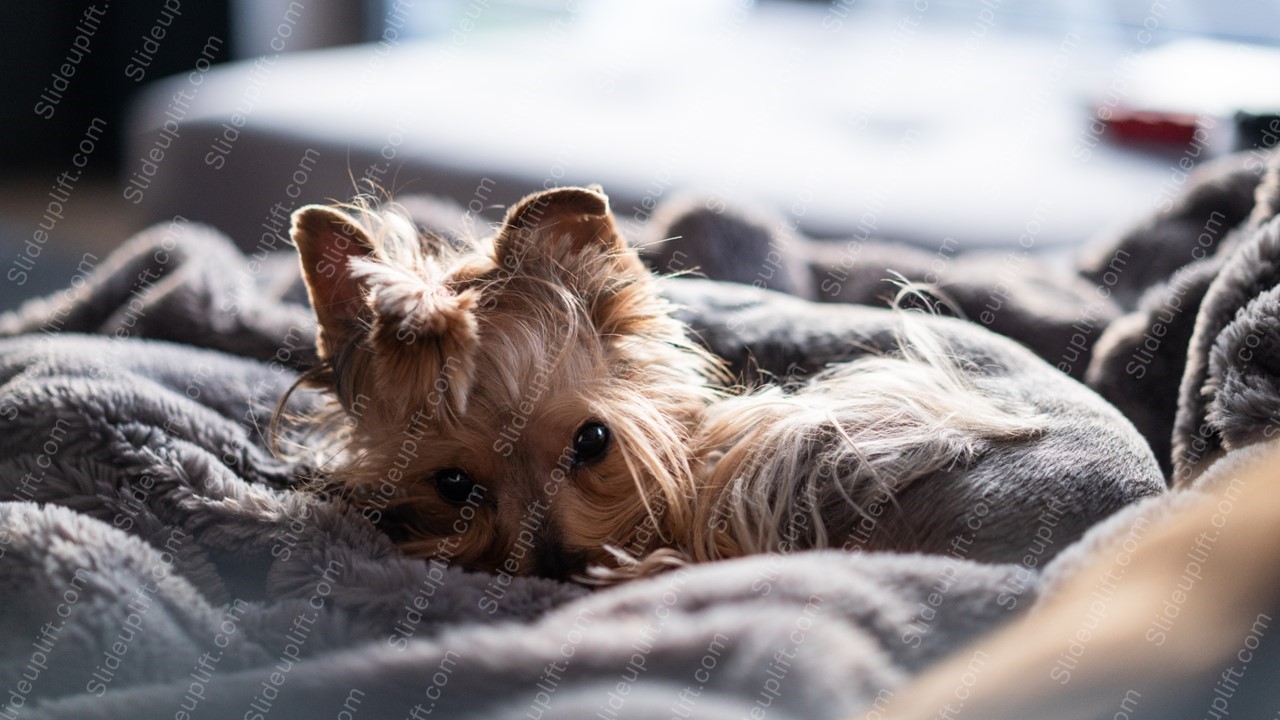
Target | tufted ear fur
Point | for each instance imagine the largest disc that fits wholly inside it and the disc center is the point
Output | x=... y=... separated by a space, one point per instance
x=392 y=324
x=557 y=225
x=568 y=236
x=328 y=240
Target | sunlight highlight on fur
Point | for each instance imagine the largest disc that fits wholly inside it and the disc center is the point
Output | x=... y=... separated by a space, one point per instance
x=485 y=358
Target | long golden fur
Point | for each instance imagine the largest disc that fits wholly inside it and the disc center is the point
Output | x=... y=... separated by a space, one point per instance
x=488 y=368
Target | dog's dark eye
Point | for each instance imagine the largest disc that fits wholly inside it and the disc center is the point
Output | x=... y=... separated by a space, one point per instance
x=454 y=485
x=590 y=443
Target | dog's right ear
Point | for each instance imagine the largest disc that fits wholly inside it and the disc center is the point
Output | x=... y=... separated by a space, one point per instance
x=328 y=240
x=555 y=225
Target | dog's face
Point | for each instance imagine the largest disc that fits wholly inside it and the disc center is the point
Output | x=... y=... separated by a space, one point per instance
x=523 y=402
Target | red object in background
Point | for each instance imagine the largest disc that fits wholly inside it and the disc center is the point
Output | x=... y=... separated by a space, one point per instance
x=1150 y=128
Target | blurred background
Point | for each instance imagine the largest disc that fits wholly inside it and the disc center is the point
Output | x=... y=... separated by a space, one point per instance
x=944 y=124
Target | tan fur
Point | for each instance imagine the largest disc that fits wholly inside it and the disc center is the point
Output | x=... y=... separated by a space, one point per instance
x=490 y=357
x=852 y=435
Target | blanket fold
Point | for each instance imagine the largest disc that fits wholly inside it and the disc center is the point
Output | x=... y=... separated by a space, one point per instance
x=135 y=468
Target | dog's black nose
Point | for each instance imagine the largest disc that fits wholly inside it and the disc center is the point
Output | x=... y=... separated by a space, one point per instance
x=555 y=562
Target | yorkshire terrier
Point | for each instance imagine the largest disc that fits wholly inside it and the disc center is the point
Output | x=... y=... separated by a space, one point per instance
x=527 y=403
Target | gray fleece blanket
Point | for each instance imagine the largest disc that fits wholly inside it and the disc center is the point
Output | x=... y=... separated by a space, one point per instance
x=158 y=561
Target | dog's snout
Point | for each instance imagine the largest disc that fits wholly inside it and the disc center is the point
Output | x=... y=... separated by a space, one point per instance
x=551 y=560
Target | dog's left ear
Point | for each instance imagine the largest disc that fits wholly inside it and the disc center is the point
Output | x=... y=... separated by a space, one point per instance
x=557 y=225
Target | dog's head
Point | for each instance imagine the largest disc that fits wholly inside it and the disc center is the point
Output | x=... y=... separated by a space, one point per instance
x=525 y=401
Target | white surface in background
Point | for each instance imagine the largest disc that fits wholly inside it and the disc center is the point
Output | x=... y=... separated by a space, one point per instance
x=1199 y=75
x=767 y=106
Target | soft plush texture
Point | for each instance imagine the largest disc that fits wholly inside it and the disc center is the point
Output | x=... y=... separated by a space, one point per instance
x=1120 y=317
x=1189 y=267
x=141 y=508
x=1014 y=292
x=152 y=472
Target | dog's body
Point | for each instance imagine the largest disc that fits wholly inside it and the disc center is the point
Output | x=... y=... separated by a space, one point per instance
x=561 y=419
